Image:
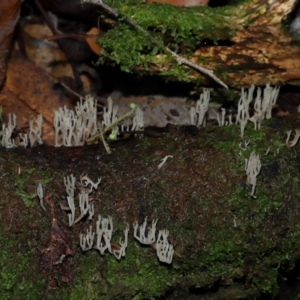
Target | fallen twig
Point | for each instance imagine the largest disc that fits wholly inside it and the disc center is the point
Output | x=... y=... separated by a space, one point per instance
x=110 y=127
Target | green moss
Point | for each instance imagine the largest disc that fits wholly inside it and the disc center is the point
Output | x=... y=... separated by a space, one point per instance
x=241 y=227
x=138 y=275
x=228 y=139
x=17 y=280
x=130 y=49
x=89 y=282
x=145 y=276
x=23 y=189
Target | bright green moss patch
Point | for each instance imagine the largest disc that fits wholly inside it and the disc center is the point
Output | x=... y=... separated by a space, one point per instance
x=130 y=49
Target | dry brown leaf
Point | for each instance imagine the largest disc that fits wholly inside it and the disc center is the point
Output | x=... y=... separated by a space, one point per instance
x=43 y=53
x=93 y=34
x=37 y=47
x=53 y=258
x=27 y=92
x=58 y=248
x=9 y=15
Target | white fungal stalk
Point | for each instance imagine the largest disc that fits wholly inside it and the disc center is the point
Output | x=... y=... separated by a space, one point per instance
x=292 y=143
x=202 y=107
x=252 y=168
x=164 y=249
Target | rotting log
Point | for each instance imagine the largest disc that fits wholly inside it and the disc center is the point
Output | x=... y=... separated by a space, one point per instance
x=222 y=236
x=243 y=44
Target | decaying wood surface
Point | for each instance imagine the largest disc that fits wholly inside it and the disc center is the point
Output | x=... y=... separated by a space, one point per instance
x=261 y=50
x=258 y=55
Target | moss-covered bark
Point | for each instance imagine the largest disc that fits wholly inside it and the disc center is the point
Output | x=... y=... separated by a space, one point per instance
x=228 y=245
x=242 y=43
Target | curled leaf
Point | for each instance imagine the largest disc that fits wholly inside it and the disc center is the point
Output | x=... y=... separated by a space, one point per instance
x=9 y=15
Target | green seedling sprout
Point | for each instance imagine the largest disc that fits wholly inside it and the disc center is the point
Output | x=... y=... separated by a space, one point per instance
x=110 y=127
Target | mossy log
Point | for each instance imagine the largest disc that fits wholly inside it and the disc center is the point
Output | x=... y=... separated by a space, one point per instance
x=228 y=245
x=243 y=43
